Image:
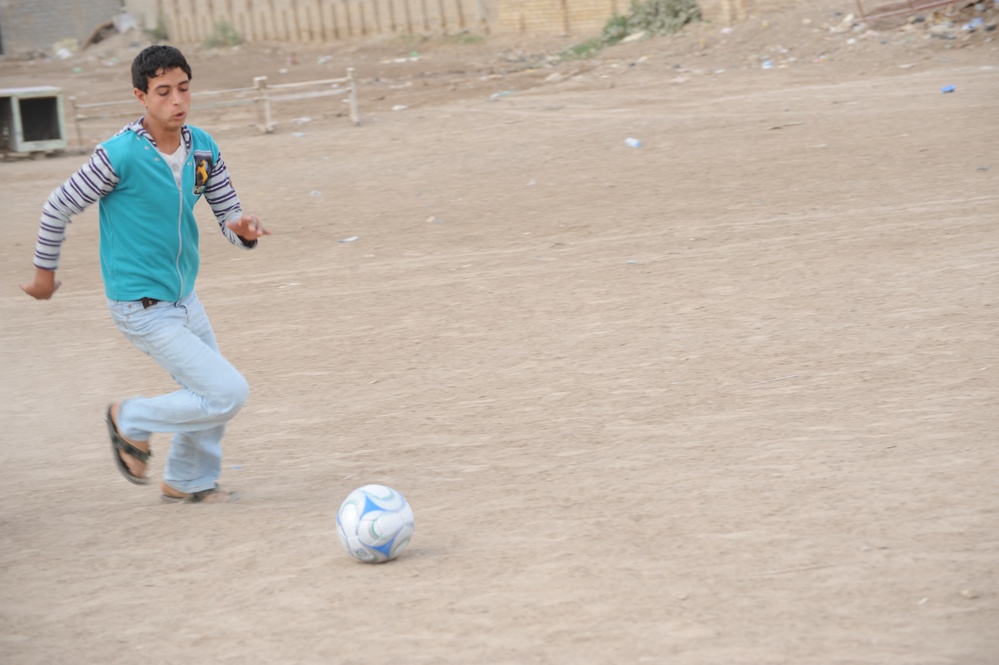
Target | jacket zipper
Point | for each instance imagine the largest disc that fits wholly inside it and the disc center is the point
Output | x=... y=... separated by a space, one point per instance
x=180 y=226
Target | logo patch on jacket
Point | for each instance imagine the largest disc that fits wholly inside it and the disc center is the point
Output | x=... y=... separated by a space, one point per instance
x=203 y=164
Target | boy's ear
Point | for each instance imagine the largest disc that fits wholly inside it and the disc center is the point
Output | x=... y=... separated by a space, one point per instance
x=141 y=96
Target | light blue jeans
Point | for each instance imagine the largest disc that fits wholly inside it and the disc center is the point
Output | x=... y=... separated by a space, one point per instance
x=179 y=337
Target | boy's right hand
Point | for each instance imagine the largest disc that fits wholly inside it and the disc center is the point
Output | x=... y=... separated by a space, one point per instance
x=44 y=286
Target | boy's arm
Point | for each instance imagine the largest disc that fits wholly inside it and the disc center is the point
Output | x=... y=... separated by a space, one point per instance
x=94 y=180
x=241 y=229
x=44 y=286
x=247 y=228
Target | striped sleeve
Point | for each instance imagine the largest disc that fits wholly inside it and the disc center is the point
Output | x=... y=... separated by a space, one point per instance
x=94 y=180
x=222 y=197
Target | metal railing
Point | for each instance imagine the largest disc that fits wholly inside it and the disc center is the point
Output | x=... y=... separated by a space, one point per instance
x=261 y=94
x=264 y=96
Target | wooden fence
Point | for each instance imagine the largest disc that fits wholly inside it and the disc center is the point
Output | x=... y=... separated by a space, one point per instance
x=322 y=20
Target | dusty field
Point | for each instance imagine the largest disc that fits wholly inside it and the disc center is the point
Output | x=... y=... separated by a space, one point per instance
x=728 y=397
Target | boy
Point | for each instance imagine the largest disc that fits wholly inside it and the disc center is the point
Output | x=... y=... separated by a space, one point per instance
x=148 y=178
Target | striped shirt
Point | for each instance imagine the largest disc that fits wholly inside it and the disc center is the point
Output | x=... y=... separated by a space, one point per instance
x=97 y=178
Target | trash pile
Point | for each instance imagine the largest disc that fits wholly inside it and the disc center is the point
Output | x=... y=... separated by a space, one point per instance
x=122 y=26
x=958 y=24
x=962 y=20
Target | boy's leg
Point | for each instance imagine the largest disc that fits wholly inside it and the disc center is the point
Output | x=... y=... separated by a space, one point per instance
x=195 y=457
x=179 y=338
x=195 y=460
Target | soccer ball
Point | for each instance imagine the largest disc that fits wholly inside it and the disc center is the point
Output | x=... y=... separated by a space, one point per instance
x=375 y=523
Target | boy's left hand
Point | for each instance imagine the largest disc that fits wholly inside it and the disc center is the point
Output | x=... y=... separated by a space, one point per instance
x=248 y=227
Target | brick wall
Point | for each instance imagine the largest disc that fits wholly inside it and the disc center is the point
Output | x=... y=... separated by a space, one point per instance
x=570 y=17
x=35 y=25
x=588 y=17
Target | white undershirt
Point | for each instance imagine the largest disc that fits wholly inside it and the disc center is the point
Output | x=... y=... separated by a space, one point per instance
x=176 y=162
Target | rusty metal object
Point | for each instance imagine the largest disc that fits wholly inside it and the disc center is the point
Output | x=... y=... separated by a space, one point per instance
x=900 y=8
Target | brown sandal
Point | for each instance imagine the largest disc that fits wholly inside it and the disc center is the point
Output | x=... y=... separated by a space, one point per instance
x=120 y=445
x=211 y=495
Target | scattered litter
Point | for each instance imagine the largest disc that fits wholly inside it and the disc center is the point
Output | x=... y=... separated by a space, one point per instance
x=632 y=262
x=982 y=168
x=304 y=120
x=532 y=182
x=767 y=64
x=323 y=59
x=236 y=466
x=350 y=239
x=435 y=220
x=726 y=31
x=779 y=378
x=298 y=135
x=634 y=143
x=66 y=48
x=496 y=95
x=399 y=107
x=316 y=193
x=968 y=593
x=947 y=88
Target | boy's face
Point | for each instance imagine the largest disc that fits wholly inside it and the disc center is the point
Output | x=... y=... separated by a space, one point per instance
x=168 y=99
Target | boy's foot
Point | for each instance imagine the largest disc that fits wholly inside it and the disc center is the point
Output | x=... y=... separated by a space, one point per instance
x=130 y=456
x=212 y=495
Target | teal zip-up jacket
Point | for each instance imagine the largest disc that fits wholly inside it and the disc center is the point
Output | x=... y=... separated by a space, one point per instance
x=149 y=235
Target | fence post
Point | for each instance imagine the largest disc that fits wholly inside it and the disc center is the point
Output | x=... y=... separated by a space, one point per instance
x=76 y=121
x=483 y=17
x=354 y=115
x=263 y=104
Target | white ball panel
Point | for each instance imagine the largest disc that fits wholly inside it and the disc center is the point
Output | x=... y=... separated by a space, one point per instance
x=375 y=523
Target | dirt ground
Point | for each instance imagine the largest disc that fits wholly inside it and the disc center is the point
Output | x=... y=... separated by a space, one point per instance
x=726 y=397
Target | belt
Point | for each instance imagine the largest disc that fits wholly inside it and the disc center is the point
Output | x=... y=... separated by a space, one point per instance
x=148 y=302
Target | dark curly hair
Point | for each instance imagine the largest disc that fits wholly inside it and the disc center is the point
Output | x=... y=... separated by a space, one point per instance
x=155 y=61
